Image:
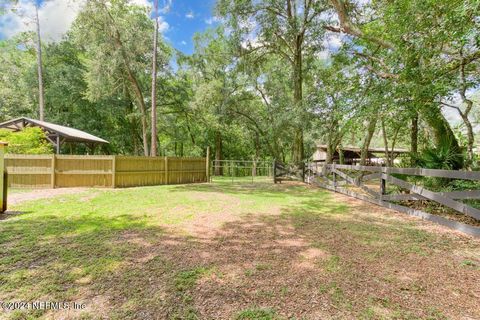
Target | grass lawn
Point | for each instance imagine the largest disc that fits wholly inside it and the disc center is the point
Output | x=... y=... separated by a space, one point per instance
x=232 y=251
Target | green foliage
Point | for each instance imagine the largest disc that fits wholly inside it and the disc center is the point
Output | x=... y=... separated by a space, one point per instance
x=257 y=314
x=463 y=185
x=267 y=73
x=27 y=141
x=187 y=279
x=444 y=156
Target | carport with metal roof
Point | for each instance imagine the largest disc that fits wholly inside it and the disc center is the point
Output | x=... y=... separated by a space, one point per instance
x=56 y=134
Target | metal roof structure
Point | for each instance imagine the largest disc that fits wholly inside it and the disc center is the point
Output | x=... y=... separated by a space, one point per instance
x=352 y=153
x=370 y=149
x=55 y=133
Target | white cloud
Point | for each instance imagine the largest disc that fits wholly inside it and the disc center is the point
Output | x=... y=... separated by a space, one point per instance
x=167 y=5
x=183 y=43
x=333 y=41
x=163 y=25
x=56 y=17
x=212 y=20
x=190 y=15
x=323 y=55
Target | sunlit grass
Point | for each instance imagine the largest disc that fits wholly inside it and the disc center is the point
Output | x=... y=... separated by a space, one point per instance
x=79 y=245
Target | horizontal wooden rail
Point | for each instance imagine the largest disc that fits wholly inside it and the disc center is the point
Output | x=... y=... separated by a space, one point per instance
x=437 y=173
x=332 y=177
x=29 y=172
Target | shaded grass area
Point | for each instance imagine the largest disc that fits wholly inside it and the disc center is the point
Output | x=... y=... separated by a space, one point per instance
x=291 y=252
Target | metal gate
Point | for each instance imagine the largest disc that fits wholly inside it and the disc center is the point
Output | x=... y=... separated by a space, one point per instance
x=238 y=171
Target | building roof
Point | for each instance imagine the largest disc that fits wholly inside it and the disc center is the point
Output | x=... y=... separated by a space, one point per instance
x=68 y=134
x=357 y=149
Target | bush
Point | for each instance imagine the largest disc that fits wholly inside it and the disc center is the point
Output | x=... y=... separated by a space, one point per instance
x=444 y=156
x=27 y=141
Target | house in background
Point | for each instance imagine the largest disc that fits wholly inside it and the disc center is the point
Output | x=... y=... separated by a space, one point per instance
x=56 y=134
x=352 y=154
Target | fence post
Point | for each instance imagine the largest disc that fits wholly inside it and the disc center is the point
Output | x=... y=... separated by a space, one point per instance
x=334 y=177
x=54 y=164
x=3 y=179
x=166 y=171
x=274 y=171
x=383 y=183
x=114 y=171
x=207 y=165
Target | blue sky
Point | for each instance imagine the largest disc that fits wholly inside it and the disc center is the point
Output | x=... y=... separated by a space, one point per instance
x=179 y=19
x=184 y=19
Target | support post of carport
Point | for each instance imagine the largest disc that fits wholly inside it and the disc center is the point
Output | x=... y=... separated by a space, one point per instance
x=3 y=179
x=58 y=144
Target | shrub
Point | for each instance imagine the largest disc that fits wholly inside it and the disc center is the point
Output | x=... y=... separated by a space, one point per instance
x=27 y=141
x=444 y=156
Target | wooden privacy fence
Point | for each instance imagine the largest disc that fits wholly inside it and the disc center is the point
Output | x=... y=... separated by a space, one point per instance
x=358 y=182
x=58 y=171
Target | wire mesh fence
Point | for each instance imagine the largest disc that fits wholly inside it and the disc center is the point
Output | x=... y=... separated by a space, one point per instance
x=248 y=171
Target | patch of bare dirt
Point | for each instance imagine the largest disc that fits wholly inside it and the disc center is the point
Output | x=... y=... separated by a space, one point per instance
x=301 y=264
x=20 y=197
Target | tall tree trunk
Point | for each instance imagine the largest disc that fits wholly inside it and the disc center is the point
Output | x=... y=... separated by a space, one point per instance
x=298 y=147
x=470 y=141
x=341 y=156
x=133 y=81
x=372 y=124
x=440 y=127
x=218 y=154
x=464 y=114
x=257 y=153
x=414 y=135
x=394 y=142
x=153 y=143
x=330 y=153
x=385 y=142
x=41 y=100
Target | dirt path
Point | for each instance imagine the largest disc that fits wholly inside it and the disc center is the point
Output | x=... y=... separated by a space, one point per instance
x=19 y=196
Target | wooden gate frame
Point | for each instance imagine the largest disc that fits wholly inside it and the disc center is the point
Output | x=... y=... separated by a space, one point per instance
x=288 y=172
x=322 y=178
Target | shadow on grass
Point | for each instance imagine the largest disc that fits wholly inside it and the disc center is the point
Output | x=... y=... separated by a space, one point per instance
x=315 y=259
x=10 y=214
x=261 y=189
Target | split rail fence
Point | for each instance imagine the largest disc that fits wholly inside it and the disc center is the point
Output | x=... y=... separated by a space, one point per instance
x=59 y=171
x=369 y=183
